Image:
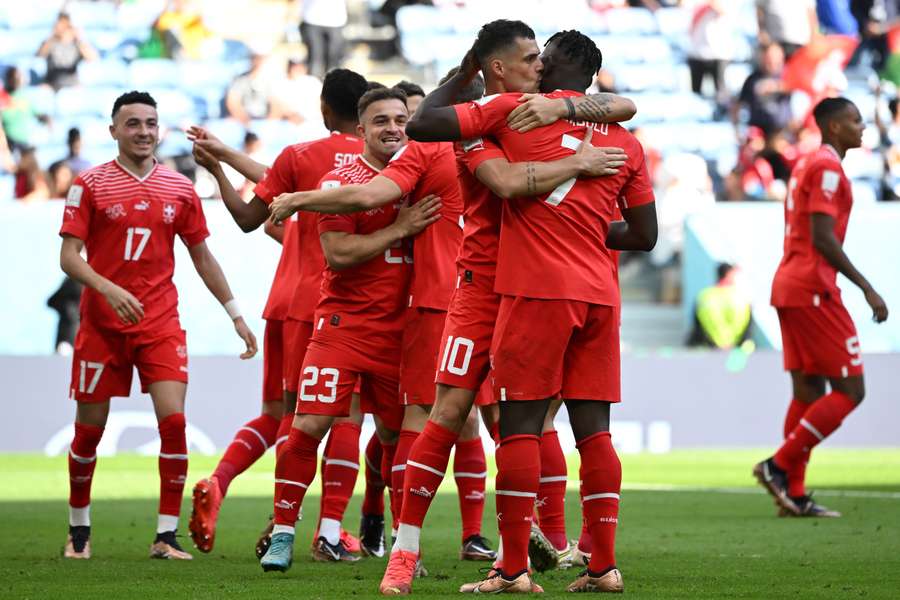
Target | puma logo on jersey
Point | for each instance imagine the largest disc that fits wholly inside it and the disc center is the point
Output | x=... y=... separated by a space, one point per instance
x=142 y=205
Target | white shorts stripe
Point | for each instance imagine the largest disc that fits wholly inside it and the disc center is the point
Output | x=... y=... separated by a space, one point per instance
x=413 y=463
x=342 y=463
x=289 y=482
x=554 y=479
x=516 y=494
x=257 y=434
x=82 y=459
x=280 y=440
x=809 y=427
x=173 y=456
x=463 y=475
x=396 y=468
x=600 y=497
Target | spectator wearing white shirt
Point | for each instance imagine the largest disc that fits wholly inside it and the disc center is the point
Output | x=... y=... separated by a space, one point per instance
x=712 y=32
x=321 y=22
x=297 y=96
x=789 y=23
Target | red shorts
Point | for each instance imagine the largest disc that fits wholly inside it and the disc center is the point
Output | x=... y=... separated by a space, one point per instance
x=330 y=375
x=485 y=395
x=556 y=348
x=464 y=356
x=820 y=340
x=103 y=362
x=418 y=361
x=296 y=336
x=273 y=361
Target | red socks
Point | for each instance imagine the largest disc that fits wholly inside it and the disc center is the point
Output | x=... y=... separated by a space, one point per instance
x=518 y=472
x=551 y=499
x=294 y=471
x=821 y=419
x=601 y=481
x=387 y=461
x=173 y=464
x=249 y=443
x=797 y=475
x=284 y=430
x=341 y=468
x=82 y=460
x=470 y=472
x=426 y=465
x=373 y=501
x=398 y=471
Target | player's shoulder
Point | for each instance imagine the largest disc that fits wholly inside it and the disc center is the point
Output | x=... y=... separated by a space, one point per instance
x=414 y=150
x=822 y=159
x=171 y=179
x=97 y=174
x=505 y=99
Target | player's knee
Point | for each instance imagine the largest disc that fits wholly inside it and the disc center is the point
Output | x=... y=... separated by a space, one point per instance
x=313 y=425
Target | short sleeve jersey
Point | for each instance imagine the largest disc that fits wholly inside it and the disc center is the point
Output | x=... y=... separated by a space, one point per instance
x=554 y=246
x=817 y=185
x=482 y=209
x=420 y=169
x=372 y=293
x=299 y=167
x=128 y=225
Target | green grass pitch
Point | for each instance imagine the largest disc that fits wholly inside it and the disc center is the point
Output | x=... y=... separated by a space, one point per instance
x=692 y=525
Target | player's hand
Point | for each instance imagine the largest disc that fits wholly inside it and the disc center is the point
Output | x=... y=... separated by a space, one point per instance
x=205 y=159
x=469 y=67
x=283 y=206
x=597 y=161
x=535 y=111
x=879 y=308
x=413 y=219
x=240 y=326
x=127 y=307
x=204 y=139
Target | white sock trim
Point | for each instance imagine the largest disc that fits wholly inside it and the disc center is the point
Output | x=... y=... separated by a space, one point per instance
x=464 y=475
x=413 y=463
x=342 y=463
x=282 y=529
x=516 y=494
x=554 y=479
x=281 y=440
x=600 y=496
x=396 y=468
x=811 y=428
x=330 y=529
x=173 y=456
x=407 y=538
x=262 y=440
x=80 y=517
x=85 y=460
x=289 y=482
x=166 y=523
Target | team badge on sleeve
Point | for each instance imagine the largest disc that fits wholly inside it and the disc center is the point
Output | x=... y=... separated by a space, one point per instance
x=830 y=181
x=73 y=198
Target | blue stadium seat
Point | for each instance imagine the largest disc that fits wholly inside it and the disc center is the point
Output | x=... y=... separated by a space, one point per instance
x=23 y=15
x=107 y=71
x=865 y=191
x=419 y=19
x=861 y=163
x=105 y=41
x=175 y=107
x=100 y=153
x=197 y=75
x=86 y=101
x=174 y=144
x=230 y=131
x=275 y=133
x=47 y=154
x=154 y=73
x=235 y=50
x=631 y=20
x=41 y=98
x=99 y=15
x=628 y=49
x=639 y=78
x=20 y=43
x=7 y=187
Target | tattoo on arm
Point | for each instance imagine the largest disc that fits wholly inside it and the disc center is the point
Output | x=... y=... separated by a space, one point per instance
x=593 y=108
x=530 y=178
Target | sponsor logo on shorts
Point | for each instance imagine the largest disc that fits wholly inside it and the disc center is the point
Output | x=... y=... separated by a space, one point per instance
x=422 y=491
x=285 y=504
x=169 y=213
x=115 y=211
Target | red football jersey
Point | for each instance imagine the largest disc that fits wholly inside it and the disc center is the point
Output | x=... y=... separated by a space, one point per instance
x=482 y=208
x=421 y=169
x=372 y=293
x=299 y=167
x=554 y=246
x=128 y=225
x=817 y=185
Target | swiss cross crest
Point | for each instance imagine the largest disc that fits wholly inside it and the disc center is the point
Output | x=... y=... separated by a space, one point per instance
x=181 y=350
x=168 y=213
x=115 y=211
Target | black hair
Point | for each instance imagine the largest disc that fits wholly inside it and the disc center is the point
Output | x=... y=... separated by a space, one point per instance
x=374 y=85
x=473 y=90
x=132 y=97
x=377 y=95
x=498 y=35
x=250 y=138
x=342 y=90
x=723 y=269
x=893 y=104
x=829 y=108
x=580 y=49
x=410 y=89
x=74 y=135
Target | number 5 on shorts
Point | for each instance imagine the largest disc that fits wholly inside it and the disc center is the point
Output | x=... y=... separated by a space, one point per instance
x=311 y=378
x=451 y=355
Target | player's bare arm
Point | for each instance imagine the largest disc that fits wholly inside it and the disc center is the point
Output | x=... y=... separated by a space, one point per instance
x=514 y=180
x=247 y=215
x=240 y=162
x=338 y=200
x=211 y=273
x=435 y=119
x=344 y=250
x=637 y=232
x=827 y=244
x=537 y=110
x=127 y=307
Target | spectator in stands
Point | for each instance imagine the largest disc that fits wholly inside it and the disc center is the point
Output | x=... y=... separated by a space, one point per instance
x=763 y=93
x=64 y=49
x=181 y=29
x=65 y=301
x=6 y=159
x=712 y=32
x=414 y=95
x=19 y=116
x=321 y=22
x=721 y=313
x=836 y=18
x=61 y=176
x=250 y=95
x=875 y=18
x=74 y=160
x=297 y=97
x=889 y=144
x=791 y=24
x=31 y=182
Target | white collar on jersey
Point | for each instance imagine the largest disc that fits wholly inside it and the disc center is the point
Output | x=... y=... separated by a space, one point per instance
x=831 y=149
x=370 y=165
x=140 y=179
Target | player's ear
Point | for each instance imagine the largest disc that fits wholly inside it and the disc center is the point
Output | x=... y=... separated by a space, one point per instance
x=112 y=131
x=360 y=130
